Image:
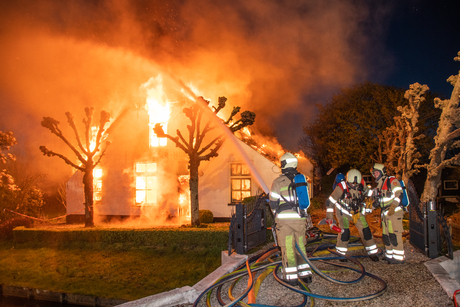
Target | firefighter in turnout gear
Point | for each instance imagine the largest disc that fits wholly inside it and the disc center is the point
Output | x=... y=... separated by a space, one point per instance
x=387 y=196
x=347 y=201
x=290 y=221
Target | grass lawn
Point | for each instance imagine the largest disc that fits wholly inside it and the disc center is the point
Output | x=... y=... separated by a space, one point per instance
x=115 y=271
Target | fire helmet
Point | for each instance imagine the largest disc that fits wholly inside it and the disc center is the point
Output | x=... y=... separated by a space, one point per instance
x=354 y=176
x=288 y=160
x=378 y=167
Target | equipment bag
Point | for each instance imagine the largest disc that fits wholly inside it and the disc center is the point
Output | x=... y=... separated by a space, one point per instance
x=301 y=189
x=405 y=198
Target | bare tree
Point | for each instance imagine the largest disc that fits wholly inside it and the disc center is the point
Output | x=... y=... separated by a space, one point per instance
x=62 y=197
x=397 y=147
x=197 y=148
x=88 y=154
x=446 y=139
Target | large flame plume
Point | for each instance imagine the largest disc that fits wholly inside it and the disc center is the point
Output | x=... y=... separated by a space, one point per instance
x=276 y=58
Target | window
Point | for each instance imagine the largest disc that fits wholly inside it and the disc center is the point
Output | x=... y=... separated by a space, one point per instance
x=97 y=184
x=155 y=141
x=240 y=182
x=146 y=183
x=450 y=185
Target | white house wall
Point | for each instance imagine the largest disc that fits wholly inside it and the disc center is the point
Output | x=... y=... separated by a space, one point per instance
x=130 y=146
x=214 y=185
x=75 y=195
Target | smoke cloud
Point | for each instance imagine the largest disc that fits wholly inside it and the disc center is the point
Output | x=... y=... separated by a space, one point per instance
x=275 y=58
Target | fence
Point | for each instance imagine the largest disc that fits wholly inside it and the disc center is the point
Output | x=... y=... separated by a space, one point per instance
x=427 y=227
x=248 y=228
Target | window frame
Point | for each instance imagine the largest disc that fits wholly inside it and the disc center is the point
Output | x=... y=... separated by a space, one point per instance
x=243 y=174
x=146 y=175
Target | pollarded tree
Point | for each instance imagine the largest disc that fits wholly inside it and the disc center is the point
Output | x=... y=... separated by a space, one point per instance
x=88 y=151
x=196 y=147
x=397 y=148
x=446 y=139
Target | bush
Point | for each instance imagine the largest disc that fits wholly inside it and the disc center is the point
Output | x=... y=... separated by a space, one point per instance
x=206 y=216
x=6 y=229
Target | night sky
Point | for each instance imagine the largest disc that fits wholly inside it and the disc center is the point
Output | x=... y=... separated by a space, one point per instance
x=276 y=58
x=424 y=37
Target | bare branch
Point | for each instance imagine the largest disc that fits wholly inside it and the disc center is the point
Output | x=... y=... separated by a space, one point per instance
x=105 y=118
x=50 y=153
x=210 y=144
x=71 y=123
x=52 y=125
x=221 y=105
x=102 y=154
x=213 y=152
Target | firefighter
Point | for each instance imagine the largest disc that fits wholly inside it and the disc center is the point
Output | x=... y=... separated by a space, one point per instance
x=347 y=201
x=290 y=220
x=388 y=195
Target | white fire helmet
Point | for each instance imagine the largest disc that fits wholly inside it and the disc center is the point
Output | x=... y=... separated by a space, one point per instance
x=288 y=160
x=354 y=176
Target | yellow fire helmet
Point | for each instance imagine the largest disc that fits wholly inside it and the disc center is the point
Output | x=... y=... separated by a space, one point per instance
x=288 y=160
x=378 y=167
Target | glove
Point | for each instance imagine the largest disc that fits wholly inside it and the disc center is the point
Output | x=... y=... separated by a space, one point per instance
x=376 y=203
x=391 y=211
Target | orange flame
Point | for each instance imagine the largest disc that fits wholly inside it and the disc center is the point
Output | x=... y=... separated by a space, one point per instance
x=158 y=107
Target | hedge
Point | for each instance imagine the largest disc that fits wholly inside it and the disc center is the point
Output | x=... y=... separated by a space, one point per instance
x=184 y=237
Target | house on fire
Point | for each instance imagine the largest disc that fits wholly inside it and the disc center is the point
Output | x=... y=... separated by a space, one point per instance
x=143 y=175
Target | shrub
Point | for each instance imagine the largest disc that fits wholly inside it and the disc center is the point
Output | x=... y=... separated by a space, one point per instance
x=206 y=216
x=6 y=229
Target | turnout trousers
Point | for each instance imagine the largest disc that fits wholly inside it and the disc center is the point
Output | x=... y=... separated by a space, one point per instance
x=392 y=229
x=289 y=232
x=344 y=219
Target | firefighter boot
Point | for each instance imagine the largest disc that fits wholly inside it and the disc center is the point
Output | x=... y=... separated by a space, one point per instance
x=306 y=279
x=394 y=261
x=292 y=282
x=374 y=258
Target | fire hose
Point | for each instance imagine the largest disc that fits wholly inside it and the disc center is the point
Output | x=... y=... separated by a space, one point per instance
x=252 y=265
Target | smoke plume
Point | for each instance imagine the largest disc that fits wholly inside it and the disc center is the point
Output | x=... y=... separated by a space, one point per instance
x=275 y=58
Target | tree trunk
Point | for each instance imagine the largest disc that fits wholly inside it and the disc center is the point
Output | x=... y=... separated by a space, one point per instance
x=88 y=188
x=195 y=208
x=442 y=138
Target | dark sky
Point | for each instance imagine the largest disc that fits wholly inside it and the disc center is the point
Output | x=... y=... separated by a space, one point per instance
x=424 y=37
x=276 y=58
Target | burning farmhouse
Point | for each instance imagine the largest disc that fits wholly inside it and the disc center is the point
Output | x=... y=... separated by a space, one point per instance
x=143 y=179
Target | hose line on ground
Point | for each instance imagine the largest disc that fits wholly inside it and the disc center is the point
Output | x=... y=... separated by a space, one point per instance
x=265 y=262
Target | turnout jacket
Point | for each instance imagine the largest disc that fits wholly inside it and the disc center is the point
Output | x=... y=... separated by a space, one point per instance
x=345 y=199
x=282 y=198
x=391 y=197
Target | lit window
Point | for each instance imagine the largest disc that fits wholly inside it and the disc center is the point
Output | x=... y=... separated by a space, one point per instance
x=146 y=184
x=156 y=141
x=97 y=184
x=97 y=173
x=240 y=182
x=239 y=169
